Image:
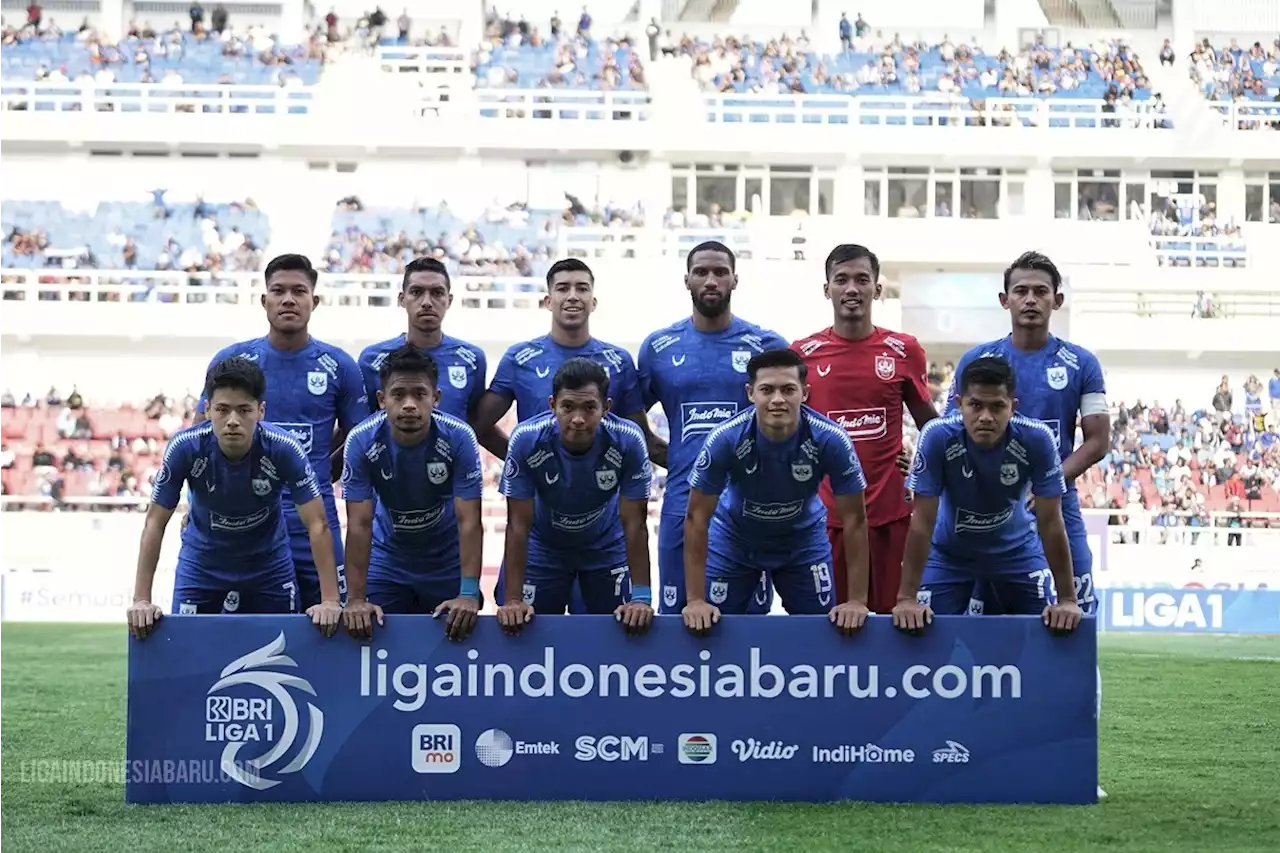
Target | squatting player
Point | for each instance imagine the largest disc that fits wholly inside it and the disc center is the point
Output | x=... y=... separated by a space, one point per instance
x=1058 y=381
x=695 y=370
x=753 y=505
x=314 y=392
x=970 y=478
x=860 y=376
x=235 y=555
x=419 y=552
x=576 y=482
x=426 y=296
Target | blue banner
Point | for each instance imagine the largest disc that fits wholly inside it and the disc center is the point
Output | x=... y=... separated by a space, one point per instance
x=1190 y=611
x=263 y=708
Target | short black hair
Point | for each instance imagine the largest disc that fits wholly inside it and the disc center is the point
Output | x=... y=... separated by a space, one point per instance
x=408 y=359
x=426 y=265
x=780 y=357
x=238 y=374
x=846 y=252
x=569 y=265
x=578 y=373
x=1034 y=261
x=301 y=263
x=711 y=246
x=990 y=371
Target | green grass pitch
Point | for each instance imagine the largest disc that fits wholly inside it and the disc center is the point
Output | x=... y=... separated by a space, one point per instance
x=1190 y=755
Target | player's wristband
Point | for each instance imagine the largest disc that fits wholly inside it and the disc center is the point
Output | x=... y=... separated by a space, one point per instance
x=642 y=594
x=471 y=587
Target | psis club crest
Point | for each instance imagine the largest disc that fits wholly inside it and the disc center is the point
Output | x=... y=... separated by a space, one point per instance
x=886 y=367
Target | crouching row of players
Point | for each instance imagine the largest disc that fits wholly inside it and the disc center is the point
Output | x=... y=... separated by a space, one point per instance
x=576 y=481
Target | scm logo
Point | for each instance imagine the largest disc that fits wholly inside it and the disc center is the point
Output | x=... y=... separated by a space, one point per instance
x=436 y=748
x=612 y=748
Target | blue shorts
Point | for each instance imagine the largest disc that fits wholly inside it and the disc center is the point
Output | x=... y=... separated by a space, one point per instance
x=271 y=598
x=1081 y=567
x=736 y=577
x=304 y=562
x=551 y=591
x=422 y=596
x=948 y=587
x=672 y=598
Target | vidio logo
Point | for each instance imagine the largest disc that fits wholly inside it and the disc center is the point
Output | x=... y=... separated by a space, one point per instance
x=271 y=718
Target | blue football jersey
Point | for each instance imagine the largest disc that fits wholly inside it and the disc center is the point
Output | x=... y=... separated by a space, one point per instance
x=308 y=393
x=235 y=517
x=769 y=489
x=415 y=528
x=982 y=507
x=1056 y=385
x=463 y=370
x=527 y=370
x=575 y=496
x=700 y=380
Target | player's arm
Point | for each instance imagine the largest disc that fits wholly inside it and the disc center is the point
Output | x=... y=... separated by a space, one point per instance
x=1057 y=548
x=852 y=510
x=924 y=516
x=709 y=477
x=636 y=615
x=369 y=379
x=697 y=523
x=1047 y=488
x=916 y=393
x=359 y=494
x=1095 y=423
x=305 y=491
x=628 y=399
x=518 y=488
x=656 y=447
x=849 y=485
x=165 y=495
x=462 y=611
x=352 y=408
x=926 y=483
x=493 y=404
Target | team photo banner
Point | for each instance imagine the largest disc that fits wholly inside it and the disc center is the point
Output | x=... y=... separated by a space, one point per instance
x=263 y=708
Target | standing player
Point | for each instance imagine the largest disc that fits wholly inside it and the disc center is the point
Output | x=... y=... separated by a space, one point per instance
x=977 y=466
x=695 y=368
x=235 y=555
x=768 y=462
x=526 y=371
x=1058 y=381
x=425 y=295
x=313 y=392
x=861 y=376
x=577 y=487
x=421 y=554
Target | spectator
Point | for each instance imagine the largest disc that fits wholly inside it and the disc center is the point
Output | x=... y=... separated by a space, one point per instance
x=1167 y=55
x=1273 y=389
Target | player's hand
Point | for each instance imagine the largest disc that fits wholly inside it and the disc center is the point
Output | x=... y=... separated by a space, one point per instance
x=326 y=615
x=904 y=462
x=143 y=617
x=358 y=616
x=186 y=519
x=460 y=616
x=911 y=616
x=1062 y=618
x=699 y=616
x=849 y=617
x=635 y=616
x=514 y=616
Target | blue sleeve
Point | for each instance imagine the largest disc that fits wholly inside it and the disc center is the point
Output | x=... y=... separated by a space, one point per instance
x=477 y=390
x=773 y=340
x=504 y=378
x=357 y=484
x=644 y=374
x=841 y=463
x=516 y=482
x=950 y=407
x=167 y=488
x=926 y=477
x=220 y=356
x=627 y=399
x=1046 y=469
x=1091 y=378
x=710 y=472
x=353 y=400
x=468 y=479
x=636 y=471
x=288 y=455
x=369 y=377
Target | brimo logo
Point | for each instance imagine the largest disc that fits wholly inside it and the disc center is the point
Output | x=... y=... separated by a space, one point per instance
x=240 y=721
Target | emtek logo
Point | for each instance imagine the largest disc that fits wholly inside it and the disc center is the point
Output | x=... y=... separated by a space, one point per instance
x=697 y=748
x=952 y=753
x=611 y=748
x=866 y=754
x=495 y=748
x=437 y=748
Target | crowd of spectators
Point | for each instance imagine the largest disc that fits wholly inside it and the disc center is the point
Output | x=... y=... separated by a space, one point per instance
x=1195 y=236
x=517 y=54
x=1248 y=77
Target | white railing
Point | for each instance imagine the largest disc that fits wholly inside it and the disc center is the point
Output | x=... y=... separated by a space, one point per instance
x=204 y=99
x=558 y=104
x=453 y=62
x=1247 y=115
x=1220 y=252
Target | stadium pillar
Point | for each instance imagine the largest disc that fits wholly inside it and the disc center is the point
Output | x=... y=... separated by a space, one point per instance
x=111 y=14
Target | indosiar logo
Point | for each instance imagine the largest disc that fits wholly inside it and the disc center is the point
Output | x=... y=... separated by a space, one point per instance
x=252 y=705
x=699 y=748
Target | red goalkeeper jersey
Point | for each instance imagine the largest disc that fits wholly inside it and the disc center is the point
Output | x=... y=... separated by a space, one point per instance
x=862 y=385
